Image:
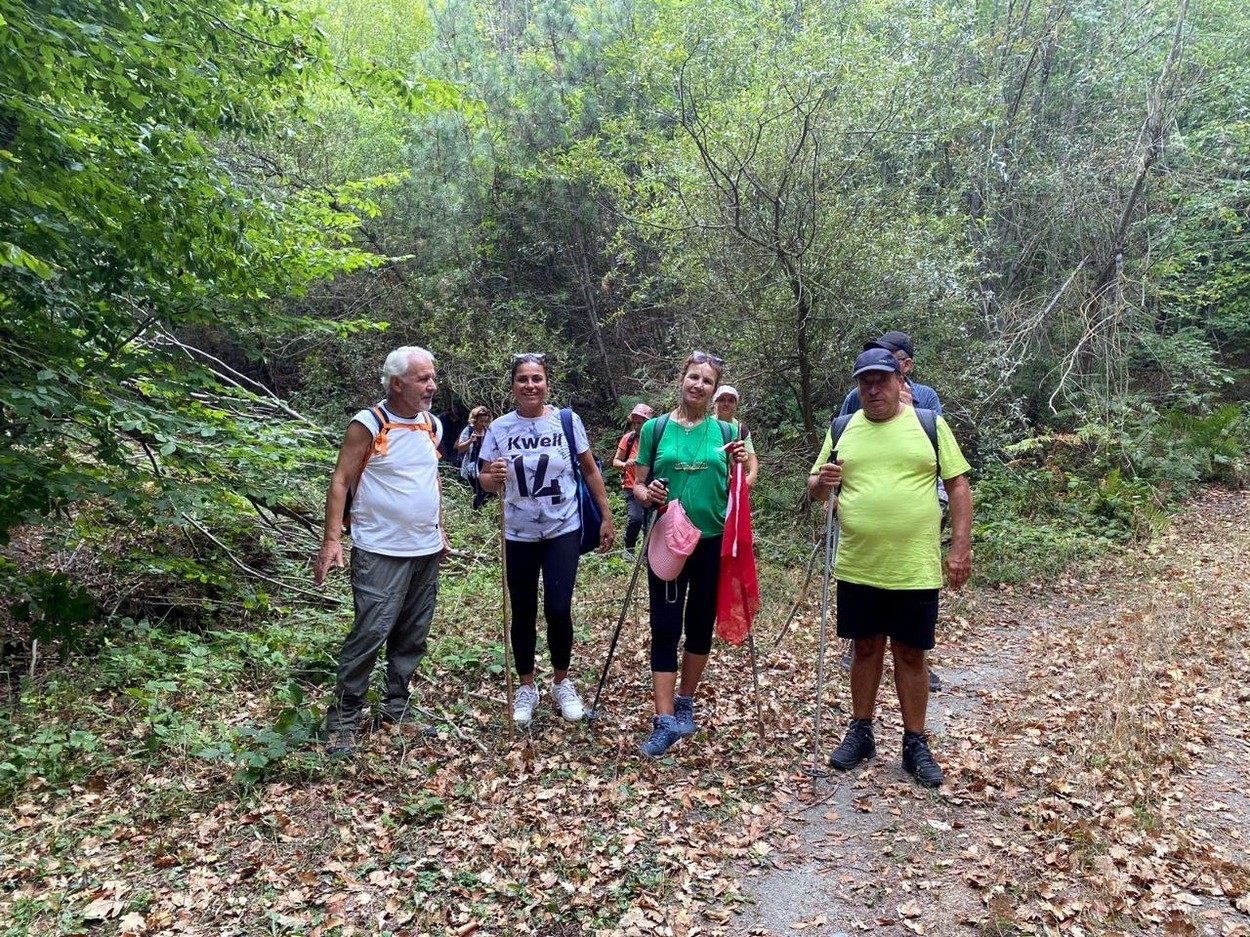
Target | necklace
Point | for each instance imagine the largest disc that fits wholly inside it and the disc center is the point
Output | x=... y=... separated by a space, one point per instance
x=687 y=422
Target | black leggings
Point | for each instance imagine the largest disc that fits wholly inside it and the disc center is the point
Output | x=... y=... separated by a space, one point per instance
x=557 y=561
x=695 y=588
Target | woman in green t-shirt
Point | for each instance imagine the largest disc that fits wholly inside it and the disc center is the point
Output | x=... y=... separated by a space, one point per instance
x=692 y=455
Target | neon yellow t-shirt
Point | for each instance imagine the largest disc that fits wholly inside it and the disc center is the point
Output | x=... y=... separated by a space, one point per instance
x=888 y=508
x=696 y=466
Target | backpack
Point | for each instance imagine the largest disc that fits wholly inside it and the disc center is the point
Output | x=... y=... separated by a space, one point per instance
x=588 y=514
x=928 y=422
x=627 y=443
x=384 y=425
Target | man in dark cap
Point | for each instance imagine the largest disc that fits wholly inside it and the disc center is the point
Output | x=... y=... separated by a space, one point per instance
x=914 y=395
x=889 y=568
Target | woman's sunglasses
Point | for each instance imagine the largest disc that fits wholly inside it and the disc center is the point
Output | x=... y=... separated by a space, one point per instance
x=700 y=357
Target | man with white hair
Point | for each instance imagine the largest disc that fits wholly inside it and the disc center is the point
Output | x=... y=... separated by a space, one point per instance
x=387 y=492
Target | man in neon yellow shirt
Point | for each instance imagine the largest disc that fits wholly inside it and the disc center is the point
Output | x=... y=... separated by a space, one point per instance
x=889 y=566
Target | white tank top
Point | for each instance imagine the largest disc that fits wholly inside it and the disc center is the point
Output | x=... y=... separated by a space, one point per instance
x=395 y=510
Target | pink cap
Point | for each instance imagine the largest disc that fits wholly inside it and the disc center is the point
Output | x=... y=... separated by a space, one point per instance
x=643 y=411
x=673 y=538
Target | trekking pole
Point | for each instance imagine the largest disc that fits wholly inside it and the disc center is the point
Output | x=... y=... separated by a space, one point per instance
x=593 y=713
x=817 y=770
x=507 y=615
x=802 y=597
x=755 y=679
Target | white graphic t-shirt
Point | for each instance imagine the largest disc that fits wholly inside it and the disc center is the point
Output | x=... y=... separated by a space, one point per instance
x=540 y=494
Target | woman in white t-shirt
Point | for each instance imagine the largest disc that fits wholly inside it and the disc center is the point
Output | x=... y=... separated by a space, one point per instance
x=525 y=453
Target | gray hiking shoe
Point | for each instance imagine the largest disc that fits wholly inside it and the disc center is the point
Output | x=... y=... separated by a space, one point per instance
x=524 y=704
x=410 y=719
x=935 y=682
x=858 y=744
x=341 y=743
x=664 y=732
x=683 y=712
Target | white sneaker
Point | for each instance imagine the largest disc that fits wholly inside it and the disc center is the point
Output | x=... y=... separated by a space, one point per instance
x=570 y=703
x=525 y=703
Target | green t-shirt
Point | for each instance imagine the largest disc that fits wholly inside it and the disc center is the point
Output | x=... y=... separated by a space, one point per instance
x=888 y=508
x=696 y=467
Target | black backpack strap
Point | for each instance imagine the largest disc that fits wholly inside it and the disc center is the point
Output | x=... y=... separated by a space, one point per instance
x=726 y=432
x=928 y=422
x=836 y=429
x=380 y=417
x=744 y=431
x=661 y=424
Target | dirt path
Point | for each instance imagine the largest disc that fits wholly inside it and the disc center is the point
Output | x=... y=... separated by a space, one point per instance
x=1096 y=743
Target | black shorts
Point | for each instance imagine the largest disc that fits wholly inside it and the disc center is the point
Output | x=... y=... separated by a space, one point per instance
x=908 y=616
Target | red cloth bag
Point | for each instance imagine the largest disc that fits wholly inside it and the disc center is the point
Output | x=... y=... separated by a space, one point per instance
x=738 y=594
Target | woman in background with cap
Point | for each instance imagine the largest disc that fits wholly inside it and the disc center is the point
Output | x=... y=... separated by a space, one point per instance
x=626 y=456
x=726 y=401
x=692 y=455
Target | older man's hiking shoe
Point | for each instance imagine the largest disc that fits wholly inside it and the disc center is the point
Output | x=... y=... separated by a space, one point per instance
x=664 y=732
x=683 y=712
x=918 y=760
x=935 y=682
x=857 y=745
x=409 y=718
x=341 y=743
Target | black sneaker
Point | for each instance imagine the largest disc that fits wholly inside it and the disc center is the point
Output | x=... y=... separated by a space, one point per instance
x=918 y=760
x=857 y=745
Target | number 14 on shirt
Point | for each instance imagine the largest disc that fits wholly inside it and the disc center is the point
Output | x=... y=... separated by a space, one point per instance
x=537 y=486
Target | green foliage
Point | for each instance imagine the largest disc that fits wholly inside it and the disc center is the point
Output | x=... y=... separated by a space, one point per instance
x=258 y=751
x=49 y=604
x=128 y=144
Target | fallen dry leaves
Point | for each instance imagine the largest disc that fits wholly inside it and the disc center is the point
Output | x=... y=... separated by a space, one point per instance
x=1097 y=779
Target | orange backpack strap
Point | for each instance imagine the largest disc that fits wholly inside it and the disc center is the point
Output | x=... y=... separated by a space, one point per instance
x=427 y=424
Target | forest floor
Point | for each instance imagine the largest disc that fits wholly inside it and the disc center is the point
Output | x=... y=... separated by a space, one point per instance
x=1095 y=734
x=1096 y=738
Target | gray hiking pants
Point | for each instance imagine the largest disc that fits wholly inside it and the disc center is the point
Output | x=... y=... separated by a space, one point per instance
x=394 y=599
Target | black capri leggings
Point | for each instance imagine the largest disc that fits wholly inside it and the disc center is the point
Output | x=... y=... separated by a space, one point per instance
x=557 y=561
x=695 y=589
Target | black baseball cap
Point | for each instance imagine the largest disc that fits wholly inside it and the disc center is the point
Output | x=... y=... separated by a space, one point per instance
x=893 y=341
x=876 y=359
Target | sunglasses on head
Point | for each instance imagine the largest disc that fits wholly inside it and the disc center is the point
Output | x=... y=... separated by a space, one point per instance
x=533 y=357
x=700 y=357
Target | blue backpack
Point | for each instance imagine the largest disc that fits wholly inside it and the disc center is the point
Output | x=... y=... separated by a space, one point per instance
x=588 y=514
